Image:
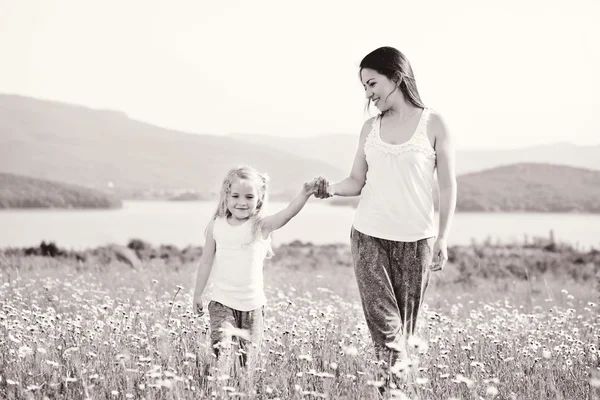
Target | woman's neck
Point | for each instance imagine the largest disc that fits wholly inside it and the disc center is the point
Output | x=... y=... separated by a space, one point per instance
x=401 y=110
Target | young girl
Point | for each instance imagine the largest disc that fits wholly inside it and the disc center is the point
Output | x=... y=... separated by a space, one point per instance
x=237 y=241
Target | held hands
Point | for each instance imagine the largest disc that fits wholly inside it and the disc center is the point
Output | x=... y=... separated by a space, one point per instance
x=309 y=188
x=322 y=189
x=440 y=254
x=319 y=186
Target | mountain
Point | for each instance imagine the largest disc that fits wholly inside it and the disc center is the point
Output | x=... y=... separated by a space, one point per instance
x=102 y=148
x=567 y=154
x=527 y=187
x=339 y=150
x=18 y=191
x=107 y=150
x=530 y=187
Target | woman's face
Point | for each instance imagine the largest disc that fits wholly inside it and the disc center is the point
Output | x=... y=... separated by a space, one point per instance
x=378 y=88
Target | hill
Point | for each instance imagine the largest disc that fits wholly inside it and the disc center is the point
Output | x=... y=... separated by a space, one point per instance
x=527 y=187
x=107 y=150
x=531 y=187
x=467 y=161
x=74 y=144
x=24 y=192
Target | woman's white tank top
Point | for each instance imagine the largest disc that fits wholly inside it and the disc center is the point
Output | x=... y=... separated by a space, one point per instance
x=396 y=202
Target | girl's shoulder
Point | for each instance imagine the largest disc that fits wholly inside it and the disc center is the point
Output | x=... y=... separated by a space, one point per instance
x=265 y=238
x=217 y=225
x=209 y=230
x=216 y=221
x=263 y=232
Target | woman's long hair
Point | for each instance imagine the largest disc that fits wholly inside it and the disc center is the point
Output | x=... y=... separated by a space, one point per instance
x=393 y=64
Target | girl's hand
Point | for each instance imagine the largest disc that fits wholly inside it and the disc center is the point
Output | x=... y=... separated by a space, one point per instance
x=198 y=308
x=440 y=254
x=310 y=188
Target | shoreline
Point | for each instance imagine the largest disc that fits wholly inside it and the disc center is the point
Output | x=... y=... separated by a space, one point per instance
x=467 y=262
x=332 y=203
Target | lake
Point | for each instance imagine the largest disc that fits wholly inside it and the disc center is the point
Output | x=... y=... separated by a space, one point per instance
x=183 y=223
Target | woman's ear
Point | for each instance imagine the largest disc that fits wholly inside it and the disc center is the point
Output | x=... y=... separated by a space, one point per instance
x=398 y=78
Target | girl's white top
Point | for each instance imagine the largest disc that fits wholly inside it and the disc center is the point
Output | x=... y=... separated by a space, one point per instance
x=396 y=202
x=237 y=272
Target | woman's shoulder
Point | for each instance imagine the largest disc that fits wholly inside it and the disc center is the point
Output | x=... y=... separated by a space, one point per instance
x=368 y=126
x=433 y=115
x=370 y=121
x=436 y=123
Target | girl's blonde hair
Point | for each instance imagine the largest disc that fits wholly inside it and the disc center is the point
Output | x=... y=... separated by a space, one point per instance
x=246 y=173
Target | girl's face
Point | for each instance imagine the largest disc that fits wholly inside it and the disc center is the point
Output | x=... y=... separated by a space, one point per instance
x=381 y=90
x=242 y=199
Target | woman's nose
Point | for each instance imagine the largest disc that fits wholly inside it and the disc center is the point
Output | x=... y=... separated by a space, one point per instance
x=368 y=93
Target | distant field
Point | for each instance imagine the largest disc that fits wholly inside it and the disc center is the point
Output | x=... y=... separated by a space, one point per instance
x=98 y=329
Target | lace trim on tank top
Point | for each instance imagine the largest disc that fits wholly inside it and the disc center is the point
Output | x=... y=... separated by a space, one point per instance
x=419 y=142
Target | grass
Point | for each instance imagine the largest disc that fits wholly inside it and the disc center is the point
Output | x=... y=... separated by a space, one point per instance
x=82 y=329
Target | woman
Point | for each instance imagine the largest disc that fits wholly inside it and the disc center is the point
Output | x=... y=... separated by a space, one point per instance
x=394 y=240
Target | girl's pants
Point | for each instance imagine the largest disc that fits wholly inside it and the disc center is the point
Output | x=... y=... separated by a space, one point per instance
x=227 y=324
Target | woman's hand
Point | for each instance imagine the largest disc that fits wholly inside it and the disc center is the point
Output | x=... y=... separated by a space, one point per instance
x=322 y=188
x=198 y=307
x=440 y=254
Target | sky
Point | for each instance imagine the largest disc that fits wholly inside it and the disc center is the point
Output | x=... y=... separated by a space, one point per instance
x=502 y=74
